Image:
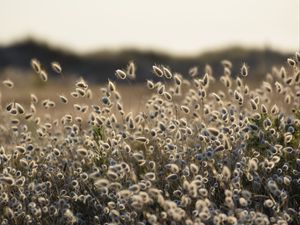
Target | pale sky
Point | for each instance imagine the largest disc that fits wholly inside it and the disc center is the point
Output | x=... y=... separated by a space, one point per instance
x=176 y=26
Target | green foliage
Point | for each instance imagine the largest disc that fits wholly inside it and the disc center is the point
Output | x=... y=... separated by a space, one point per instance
x=99 y=134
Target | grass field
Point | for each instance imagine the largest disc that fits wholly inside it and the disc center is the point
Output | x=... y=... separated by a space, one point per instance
x=189 y=149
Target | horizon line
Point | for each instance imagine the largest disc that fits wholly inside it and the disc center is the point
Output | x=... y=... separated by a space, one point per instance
x=124 y=48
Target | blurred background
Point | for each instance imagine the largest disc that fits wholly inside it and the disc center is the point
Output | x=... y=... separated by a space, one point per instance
x=94 y=38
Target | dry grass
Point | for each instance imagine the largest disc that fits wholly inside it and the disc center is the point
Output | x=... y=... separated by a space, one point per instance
x=179 y=151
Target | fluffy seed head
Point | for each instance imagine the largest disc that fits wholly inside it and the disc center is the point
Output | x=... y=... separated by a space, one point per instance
x=244 y=70
x=121 y=74
x=157 y=71
x=56 y=67
x=36 y=65
x=43 y=75
x=8 y=83
x=63 y=99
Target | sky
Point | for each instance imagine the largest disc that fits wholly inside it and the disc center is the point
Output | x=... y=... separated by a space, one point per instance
x=176 y=26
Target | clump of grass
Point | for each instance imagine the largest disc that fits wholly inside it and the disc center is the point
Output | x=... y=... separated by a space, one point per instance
x=191 y=155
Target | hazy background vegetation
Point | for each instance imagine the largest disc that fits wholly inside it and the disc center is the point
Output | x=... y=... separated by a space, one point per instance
x=101 y=65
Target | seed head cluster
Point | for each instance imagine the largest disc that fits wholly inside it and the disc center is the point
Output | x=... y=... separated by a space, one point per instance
x=201 y=150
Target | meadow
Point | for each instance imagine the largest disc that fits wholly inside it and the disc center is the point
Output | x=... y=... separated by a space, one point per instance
x=179 y=149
